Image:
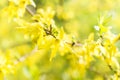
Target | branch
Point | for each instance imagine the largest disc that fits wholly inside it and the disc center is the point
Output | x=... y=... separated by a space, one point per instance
x=23 y=58
x=110 y=66
x=31 y=9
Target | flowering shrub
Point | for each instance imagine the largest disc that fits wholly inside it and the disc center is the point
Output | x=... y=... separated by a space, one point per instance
x=48 y=51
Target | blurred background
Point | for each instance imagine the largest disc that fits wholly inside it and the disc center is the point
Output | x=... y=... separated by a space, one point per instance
x=77 y=17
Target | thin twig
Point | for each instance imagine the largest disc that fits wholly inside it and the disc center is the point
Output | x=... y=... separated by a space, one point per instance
x=23 y=58
x=31 y=9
